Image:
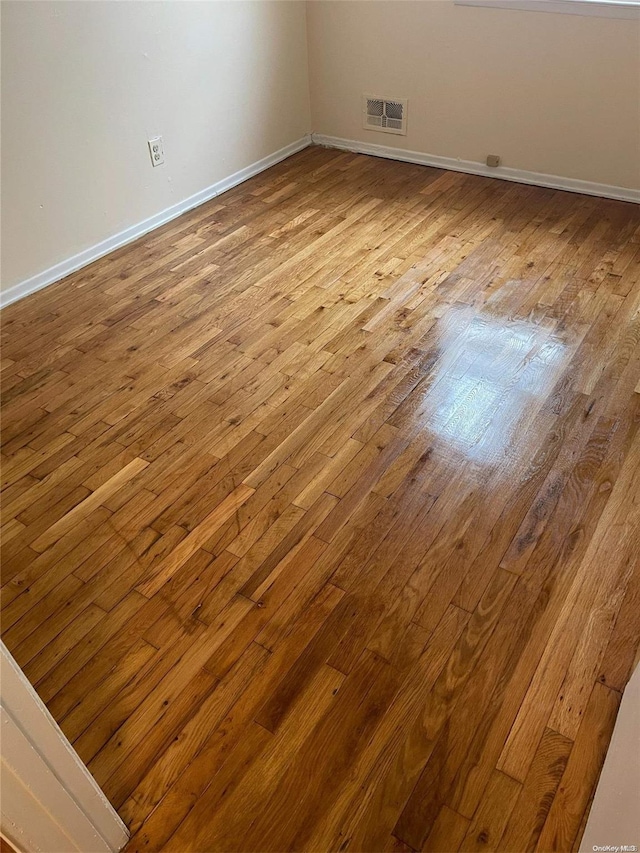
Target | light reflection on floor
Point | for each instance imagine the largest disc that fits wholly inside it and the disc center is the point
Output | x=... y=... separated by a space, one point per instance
x=493 y=372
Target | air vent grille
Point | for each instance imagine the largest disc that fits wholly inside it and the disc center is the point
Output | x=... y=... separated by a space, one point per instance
x=385 y=114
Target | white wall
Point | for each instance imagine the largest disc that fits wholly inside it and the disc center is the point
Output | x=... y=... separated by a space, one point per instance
x=614 y=813
x=550 y=93
x=50 y=802
x=84 y=84
x=226 y=83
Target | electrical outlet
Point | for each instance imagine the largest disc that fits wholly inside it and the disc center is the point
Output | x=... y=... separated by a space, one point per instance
x=156 y=149
x=493 y=160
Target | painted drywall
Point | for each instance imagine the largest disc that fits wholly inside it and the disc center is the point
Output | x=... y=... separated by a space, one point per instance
x=550 y=93
x=226 y=83
x=614 y=818
x=85 y=84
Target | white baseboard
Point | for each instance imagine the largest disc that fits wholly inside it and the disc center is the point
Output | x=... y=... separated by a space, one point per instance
x=520 y=176
x=87 y=256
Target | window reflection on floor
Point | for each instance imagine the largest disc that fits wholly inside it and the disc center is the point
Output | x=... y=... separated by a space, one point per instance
x=493 y=372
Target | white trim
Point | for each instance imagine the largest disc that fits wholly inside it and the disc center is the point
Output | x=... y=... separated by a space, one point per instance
x=614 y=819
x=93 y=253
x=87 y=256
x=629 y=9
x=50 y=801
x=520 y=176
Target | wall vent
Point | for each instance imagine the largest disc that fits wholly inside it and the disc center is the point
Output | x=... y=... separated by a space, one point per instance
x=388 y=115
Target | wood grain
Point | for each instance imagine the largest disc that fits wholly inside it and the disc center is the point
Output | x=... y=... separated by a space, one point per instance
x=321 y=510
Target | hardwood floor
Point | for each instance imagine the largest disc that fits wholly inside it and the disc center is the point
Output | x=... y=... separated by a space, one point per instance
x=321 y=511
